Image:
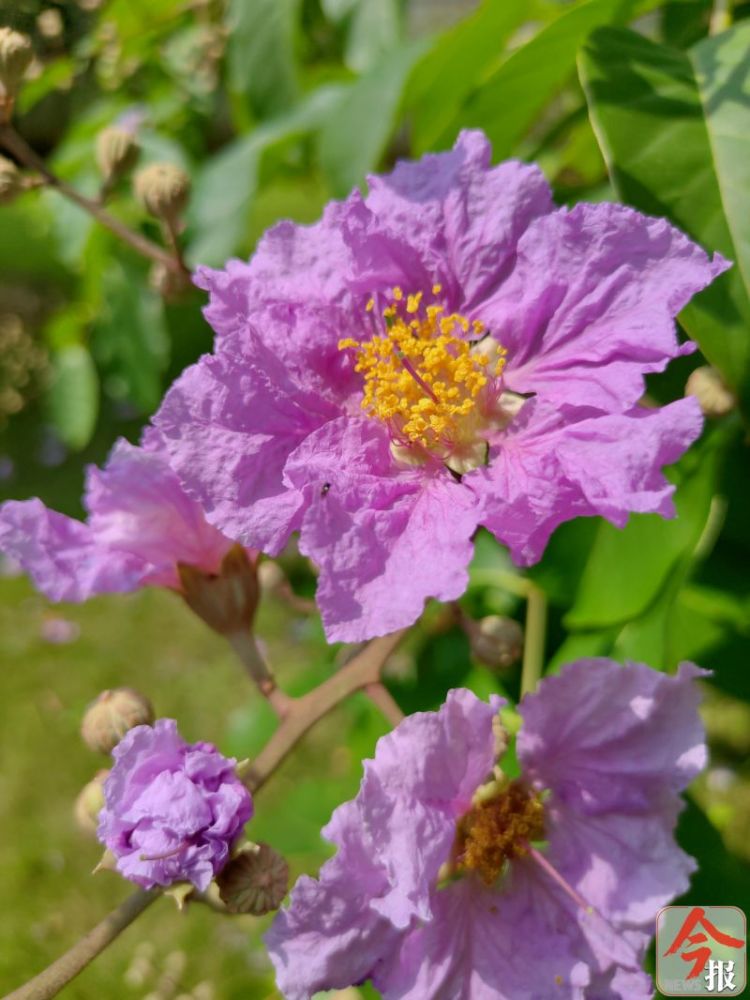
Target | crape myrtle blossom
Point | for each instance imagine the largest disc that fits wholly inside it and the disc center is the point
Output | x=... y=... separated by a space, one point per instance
x=453 y=881
x=449 y=350
x=172 y=810
x=140 y=525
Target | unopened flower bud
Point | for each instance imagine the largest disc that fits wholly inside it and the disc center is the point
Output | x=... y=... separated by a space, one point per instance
x=90 y=803
x=708 y=387
x=497 y=642
x=254 y=881
x=163 y=189
x=116 y=153
x=11 y=181
x=15 y=55
x=226 y=601
x=112 y=715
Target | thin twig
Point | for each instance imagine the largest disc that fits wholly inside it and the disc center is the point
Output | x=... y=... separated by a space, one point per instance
x=382 y=698
x=304 y=712
x=18 y=147
x=246 y=648
x=49 y=983
x=534 y=639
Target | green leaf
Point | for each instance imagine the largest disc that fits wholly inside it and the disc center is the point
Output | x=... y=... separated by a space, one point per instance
x=260 y=53
x=628 y=567
x=355 y=137
x=448 y=73
x=73 y=396
x=674 y=129
x=511 y=98
x=375 y=30
x=130 y=334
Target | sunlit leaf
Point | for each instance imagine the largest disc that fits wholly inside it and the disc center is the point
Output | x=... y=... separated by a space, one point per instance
x=73 y=396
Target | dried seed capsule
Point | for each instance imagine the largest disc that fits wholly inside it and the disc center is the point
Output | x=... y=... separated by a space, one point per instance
x=254 y=881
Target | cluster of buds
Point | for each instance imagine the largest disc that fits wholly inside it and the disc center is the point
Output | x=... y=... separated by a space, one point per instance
x=15 y=55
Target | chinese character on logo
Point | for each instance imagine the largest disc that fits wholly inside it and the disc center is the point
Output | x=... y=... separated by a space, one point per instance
x=688 y=935
x=720 y=976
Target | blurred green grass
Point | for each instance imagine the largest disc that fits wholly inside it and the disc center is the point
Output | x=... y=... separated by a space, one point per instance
x=149 y=641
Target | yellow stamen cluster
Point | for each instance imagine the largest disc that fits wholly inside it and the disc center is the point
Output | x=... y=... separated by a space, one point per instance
x=422 y=375
x=497 y=830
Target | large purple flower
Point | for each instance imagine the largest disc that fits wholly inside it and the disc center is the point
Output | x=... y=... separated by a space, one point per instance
x=141 y=524
x=452 y=880
x=172 y=809
x=448 y=351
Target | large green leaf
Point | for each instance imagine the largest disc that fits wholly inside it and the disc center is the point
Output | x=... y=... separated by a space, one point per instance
x=73 y=396
x=509 y=101
x=355 y=137
x=455 y=64
x=260 y=54
x=675 y=131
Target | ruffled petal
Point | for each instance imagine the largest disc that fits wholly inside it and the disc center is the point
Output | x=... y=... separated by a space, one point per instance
x=229 y=426
x=554 y=465
x=591 y=304
x=385 y=539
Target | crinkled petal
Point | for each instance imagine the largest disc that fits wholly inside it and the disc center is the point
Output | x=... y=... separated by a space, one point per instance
x=62 y=555
x=327 y=937
x=553 y=465
x=459 y=215
x=385 y=539
x=229 y=426
x=606 y=737
x=486 y=945
x=591 y=303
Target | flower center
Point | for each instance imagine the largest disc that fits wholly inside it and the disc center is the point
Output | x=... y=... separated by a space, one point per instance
x=433 y=386
x=496 y=830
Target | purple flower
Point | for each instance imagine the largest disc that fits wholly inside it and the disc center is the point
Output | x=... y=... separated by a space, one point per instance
x=140 y=525
x=449 y=351
x=172 y=809
x=453 y=880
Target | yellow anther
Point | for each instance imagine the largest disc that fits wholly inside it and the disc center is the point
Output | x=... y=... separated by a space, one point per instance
x=412 y=303
x=437 y=289
x=398 y=294
x=370 y=305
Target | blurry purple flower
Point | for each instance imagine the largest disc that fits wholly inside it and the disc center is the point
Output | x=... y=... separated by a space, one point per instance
x=59 y=631
x=449 y=351
x=172 y=809
x=140 y=525
x=437 y=888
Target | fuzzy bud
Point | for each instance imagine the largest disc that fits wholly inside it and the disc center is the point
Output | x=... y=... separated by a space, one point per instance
x=226 y=601
x=497 y=642
x=112 y=715
x=116 y=153
x=90 y=803
x=163 y=189
x=254 y=881
x=15 y=55
x=707 y=386
x=11 y=181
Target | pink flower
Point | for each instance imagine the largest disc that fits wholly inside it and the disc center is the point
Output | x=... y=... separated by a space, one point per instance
x=172 y=810
x=447 y=352
x=140 y=525
x=452 y=879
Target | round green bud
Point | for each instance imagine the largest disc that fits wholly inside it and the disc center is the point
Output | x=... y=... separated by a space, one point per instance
x=11 y=181
x=116 y=153
x=15 y=55
x=112 y=715
x=163 y=189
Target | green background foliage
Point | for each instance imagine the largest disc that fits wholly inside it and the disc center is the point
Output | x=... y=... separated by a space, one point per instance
x=273 y=107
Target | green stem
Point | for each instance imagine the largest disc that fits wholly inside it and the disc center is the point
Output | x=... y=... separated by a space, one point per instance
x=534 y=639
x=721 y=17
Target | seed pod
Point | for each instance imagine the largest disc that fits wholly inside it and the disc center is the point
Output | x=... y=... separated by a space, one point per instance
x=112 y=715
x=90 y=802
x=497 y=642
x=117 y=152
x=163 y=189
x=254 y=881
x=11 y=181
x=709 y=389
x=226 y=601
x=15 y=55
